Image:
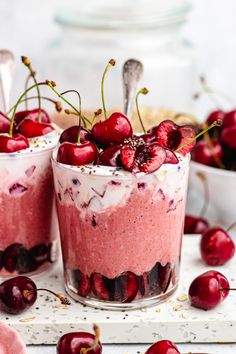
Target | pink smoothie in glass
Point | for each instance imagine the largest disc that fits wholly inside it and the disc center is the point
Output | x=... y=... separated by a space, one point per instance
x=121 y=234
x=27 y=221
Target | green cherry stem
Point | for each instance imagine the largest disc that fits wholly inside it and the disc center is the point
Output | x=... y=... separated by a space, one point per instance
x=231 y=226
x=27 y=63
x=26 y=86
x=109 y=65
x=216 y=123
x=19 y=101
x=26 y=99
x=143 y=91
x=95 y=343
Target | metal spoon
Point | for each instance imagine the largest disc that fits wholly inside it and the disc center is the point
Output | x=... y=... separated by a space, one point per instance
x=132 y=73
x=7 y=63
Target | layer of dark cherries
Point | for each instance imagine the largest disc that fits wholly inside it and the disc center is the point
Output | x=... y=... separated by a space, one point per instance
x=125 y=287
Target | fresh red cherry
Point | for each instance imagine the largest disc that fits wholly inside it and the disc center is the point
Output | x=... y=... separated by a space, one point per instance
x=31 y=128
x=80 y=343
x=208 y=290
x=32 y=114
x=12 y=144
x=77 y=154
x=20 y=293
x=228 y=137
x=163 y=347
x=172 y=136
x=137 y=156
x=216 y=246
x=195 y=225
x=71 y=135
x=4 y=123
x=229 y=119
x=206 y=154
x=110 y=156
x=113 y=130
x=215 y=115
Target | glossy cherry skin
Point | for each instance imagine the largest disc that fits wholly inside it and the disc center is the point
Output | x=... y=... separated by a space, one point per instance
x=163 y=347
x=228 y=137
x=110 y=156
x=31 y=114
x=204 y=154
x=12 y=144
x=215 y=115
x=206 y=292
x=4 y=123
x=17 y=294
x=77 y=154
x=229 y=119
x=113 y=130
x=71 y=135
x=72 y=343
x=31 y=128
x=195 y=225
x=216 y=246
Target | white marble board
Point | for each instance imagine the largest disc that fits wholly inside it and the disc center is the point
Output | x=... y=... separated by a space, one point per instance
x=46 y=321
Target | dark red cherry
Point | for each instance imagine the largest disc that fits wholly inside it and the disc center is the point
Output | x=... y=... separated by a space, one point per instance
x=77 y=154
x=216 y=246
x=102 y=287
x=215 y=115
x=12 y=144
x=17 y=294
x=126 y=287
x=31 y=128
x=229 y=119
x=113 y=130
x=195 y=224
x=4 y=123
x=110 y=156
x=81 y=282
x=32 y=114
x=75 y=342
x=71 y=135
x=228 y=137
x=137 y=156
x=206 y=154
x=148 y=138
x=18 y=258
x=208 y=290
x=172 y=136
x=163 y=347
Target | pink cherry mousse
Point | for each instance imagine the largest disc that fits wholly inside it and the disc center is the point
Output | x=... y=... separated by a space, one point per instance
x=120 y=197
x=28 y=222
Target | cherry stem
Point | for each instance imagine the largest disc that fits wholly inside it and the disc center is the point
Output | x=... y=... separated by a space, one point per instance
x=109 y=65
x=27 y=63
x=216 y=123
x=143 y=91
x=56 y=103
x=63 y=299
x=26 y=86
x=96 y=114
x=95 y=343
x=231 y=226
x=18 y=102
x=202 y=177
x=228 y=289
x=211 y=147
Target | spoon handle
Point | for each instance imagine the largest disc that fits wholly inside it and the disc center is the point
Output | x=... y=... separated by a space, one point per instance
x=132 y=73
x=7 y=63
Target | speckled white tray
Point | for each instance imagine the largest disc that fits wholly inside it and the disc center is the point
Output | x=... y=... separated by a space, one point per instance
x=176 y=320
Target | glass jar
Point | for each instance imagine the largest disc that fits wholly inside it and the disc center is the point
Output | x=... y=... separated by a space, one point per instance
x=121 y=233
x=147 y=30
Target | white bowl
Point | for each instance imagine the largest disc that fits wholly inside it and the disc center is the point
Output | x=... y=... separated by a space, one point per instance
x=222 y=192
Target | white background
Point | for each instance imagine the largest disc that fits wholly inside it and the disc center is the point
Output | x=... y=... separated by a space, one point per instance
x=26 y=25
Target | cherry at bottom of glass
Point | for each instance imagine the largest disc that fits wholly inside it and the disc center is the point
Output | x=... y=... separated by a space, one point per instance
x=125 y=292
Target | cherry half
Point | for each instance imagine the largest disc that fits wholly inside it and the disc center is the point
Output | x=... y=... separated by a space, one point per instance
x=20 y=293
x=208 y=290
x=110 y=156
x=216 y=246
x=77 y=154
x=80 y=343
x=163 y=347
